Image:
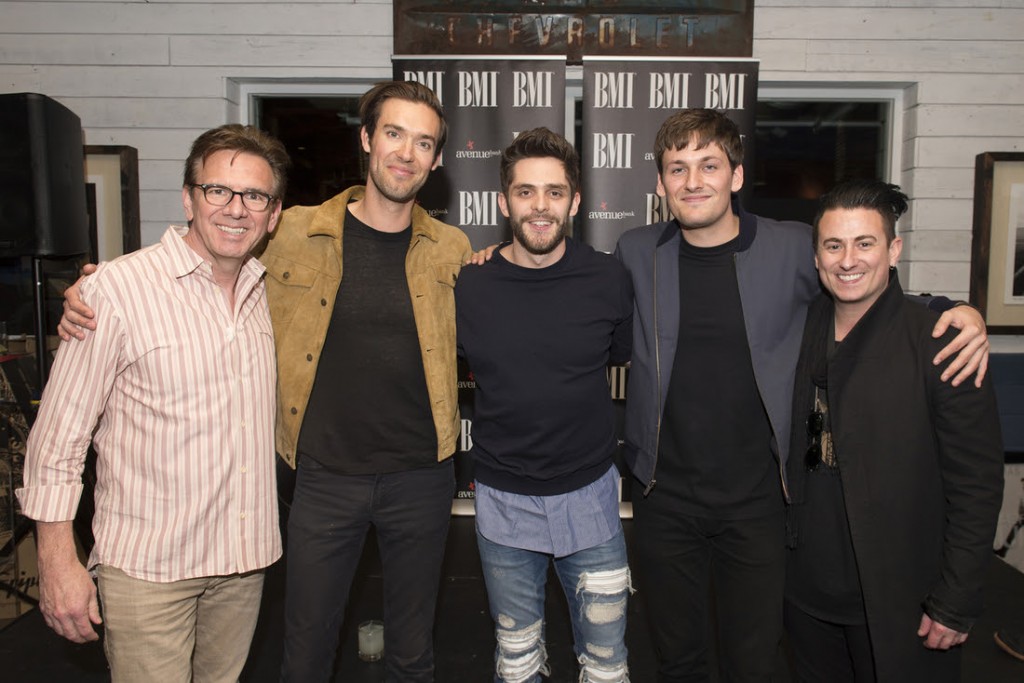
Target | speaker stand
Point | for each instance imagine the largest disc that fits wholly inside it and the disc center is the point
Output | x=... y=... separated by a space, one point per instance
x=39 y=297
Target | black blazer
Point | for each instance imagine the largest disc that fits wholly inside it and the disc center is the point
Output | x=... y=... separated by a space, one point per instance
x=922 y=474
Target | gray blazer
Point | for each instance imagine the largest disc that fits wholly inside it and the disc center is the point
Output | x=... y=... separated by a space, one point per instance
x=777 y=280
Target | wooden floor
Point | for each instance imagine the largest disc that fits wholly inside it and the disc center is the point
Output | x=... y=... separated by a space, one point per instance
x=30 y=652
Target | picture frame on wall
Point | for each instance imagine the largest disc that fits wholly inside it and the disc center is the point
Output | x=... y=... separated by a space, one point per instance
x=997 y=248
x=112 y=181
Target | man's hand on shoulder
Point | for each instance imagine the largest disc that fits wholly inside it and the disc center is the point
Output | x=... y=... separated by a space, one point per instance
x=77 y=316
x=478 y=258
x=972 y=344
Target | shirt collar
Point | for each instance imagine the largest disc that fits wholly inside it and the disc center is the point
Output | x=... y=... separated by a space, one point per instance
x=184 y=261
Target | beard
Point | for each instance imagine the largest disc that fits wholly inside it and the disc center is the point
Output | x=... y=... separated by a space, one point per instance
x=392 y=191
x=539 y=245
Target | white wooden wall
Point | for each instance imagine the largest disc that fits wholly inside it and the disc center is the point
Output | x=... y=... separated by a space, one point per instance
x=155 y=73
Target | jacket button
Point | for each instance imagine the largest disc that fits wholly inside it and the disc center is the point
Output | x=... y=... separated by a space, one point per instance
x=323 y=302
x=309 y=356
x=286 y=275
x=295 y=411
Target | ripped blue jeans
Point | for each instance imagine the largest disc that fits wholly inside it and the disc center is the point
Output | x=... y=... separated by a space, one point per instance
x=596 y=583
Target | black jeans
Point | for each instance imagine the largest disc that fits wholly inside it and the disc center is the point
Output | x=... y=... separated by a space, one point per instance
x=677 y=559
x=826 y=652
x=330 y=516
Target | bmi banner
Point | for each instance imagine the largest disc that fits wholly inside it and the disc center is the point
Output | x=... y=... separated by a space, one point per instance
x=624 y=103
x=487 y=102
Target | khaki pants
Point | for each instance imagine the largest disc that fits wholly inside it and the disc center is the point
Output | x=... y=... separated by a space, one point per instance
x=195 y=630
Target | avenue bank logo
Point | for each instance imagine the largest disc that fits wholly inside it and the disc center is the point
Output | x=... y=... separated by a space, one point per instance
x=470 y=151
x=604 y=213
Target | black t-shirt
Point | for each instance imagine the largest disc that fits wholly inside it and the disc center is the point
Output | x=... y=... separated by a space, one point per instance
x=715 y=453
x=821 y=574
x=369 y=411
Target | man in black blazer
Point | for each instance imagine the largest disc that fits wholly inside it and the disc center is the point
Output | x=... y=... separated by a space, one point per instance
x=896 y=476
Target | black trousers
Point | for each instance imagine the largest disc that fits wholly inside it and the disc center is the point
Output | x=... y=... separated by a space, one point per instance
x=678 y=557
x=330 y=516
x=826 y=652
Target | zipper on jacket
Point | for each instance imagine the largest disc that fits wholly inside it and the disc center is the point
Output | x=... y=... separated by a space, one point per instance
x=657 y=387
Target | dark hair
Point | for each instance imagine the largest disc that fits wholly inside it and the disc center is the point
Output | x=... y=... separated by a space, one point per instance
x=373 y=100
x=235 y=137
x=704 y=125
x=541 y=143
x=885 y=198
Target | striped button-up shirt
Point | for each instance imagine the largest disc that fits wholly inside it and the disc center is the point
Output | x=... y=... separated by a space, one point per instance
x=176 y=393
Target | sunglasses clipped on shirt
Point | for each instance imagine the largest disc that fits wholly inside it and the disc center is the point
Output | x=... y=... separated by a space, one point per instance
x=815 y=427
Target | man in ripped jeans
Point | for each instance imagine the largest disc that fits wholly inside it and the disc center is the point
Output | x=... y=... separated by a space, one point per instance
x=538 y=325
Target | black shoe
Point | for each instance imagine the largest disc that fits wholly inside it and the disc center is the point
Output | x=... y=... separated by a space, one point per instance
x=1012 y=642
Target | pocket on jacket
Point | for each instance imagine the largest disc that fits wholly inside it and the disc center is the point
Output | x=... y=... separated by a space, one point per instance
x=287 y=284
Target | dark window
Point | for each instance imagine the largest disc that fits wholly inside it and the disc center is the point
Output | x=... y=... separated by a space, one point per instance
x=803 y=148
x=321 y=135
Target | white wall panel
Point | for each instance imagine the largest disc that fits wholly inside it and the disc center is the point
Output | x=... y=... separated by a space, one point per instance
x=959 y=150
x=141 y=112
x=941 y=183
x=152 y=143
x=915 y=56
x=78 y=49
x=163 y=206
x=227 y=2
x=941 y=214
x=781 y=55
x=299 y=52
x=888 y=23
x=209 y=18
x=150 y=232
x=161 y=174
x=940 y=277
x=936 y=245
x=869 y=4
x=969 y=119
x=972 y=88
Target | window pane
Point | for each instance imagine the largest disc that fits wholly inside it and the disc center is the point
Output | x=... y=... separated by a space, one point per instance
x=321 y=135
x=803 y=148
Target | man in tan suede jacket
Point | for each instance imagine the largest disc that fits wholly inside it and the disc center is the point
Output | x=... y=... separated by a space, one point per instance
x=361 y=298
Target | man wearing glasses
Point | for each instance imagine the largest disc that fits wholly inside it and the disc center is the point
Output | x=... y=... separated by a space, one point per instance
x=175 y=391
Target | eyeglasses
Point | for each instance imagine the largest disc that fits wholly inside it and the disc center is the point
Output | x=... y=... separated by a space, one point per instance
x=218 y=195
x=815 y=426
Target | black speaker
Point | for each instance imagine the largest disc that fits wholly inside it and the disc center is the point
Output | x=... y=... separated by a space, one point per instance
x=42 y=178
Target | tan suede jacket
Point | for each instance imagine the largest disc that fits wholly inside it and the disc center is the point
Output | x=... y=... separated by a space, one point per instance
x=303 y=260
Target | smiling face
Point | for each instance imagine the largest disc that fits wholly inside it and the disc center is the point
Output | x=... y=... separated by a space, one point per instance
x=403 y=149
x=698 y=185
x=853 y=257
x=538 y=205
x=225 y=235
